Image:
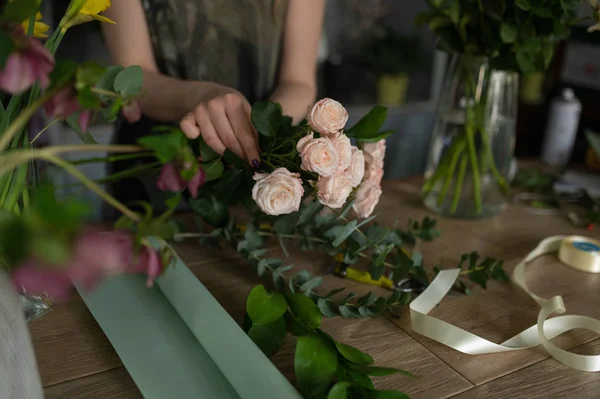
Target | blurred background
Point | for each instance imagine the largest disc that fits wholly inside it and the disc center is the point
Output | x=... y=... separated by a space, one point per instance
x=408 y=78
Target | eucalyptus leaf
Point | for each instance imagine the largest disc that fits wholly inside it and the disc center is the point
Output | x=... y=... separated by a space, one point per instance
x=129 y=81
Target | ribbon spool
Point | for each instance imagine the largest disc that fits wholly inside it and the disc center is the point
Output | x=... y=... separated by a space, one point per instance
x=580 y=253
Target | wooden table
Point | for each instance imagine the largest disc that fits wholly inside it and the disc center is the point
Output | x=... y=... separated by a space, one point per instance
x=77 y=361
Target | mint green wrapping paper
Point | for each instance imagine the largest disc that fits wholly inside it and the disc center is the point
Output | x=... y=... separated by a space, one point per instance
x=177 y=341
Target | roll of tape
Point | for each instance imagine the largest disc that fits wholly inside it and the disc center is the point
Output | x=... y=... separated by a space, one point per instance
x=580 y=253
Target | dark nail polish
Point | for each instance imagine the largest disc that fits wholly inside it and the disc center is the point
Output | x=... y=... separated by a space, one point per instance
x=255 y=164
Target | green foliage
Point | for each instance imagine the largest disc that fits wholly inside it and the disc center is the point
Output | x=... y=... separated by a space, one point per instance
x=393 y=54
x=263 y=307
x=129 y=81
x=367 y=129
x=19 y=11
x=7 y=46
x=518 y=35
x=166 y=145
x=267 y=118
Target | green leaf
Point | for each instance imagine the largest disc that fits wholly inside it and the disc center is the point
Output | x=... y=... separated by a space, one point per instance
x=264 y=307
x=310 y=285
x=129 y=81
x=20 y=10
x=339 y=390
x=439 y=22
x=315 y=363
x=88 y=74
x=206 y=153
x=233 y=159
x=85 y=137
x=286 y=224
x=479 y=277
x=508 y=33
x=269 y=338
x=523 y=4
x=368 y=125
x=165 y=145
x=267 y=118
x=349 y=312
x=305 y=310
x=229 y=182
x=253 y=237
x=454 y=12
x=326 y=307
x=308 y=211
x=374 y=371
x=88 y=99
x=353 y=355
x=107 y=81
x=213 y=170
x=210 y=209
x=7 y=46
x=345 y=233
x=15 y=239
x=376 y=137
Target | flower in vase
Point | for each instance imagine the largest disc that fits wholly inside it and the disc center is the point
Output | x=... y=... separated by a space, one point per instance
x=318 y=155
x=31 y=62
x=279 y=192
x=132 y=112
x=327 y=116
x=40 y=29
x=64 y=103
x=367 y=198
x=82 y=11
x=333 y=191
x=170 y=180
x=356 y=170
x=343 y=147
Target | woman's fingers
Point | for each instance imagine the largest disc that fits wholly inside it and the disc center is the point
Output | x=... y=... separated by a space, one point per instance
x=189 y=127
x=243 y=129
x=220 y=120
x=208 y=131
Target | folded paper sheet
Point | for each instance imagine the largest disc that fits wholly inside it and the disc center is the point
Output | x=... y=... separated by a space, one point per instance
x=176 y=341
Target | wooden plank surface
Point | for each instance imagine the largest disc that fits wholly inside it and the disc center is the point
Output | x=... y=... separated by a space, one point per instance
x=76 y=360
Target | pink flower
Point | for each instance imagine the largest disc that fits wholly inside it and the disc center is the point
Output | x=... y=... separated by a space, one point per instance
x=374 y=175
x=30 y=63
x=132 y=112
x=38 y=279
x=334 y=191
x=367 y=197
x=375 y=153
x=318 y=155
x=342 y=145
x=356 y=170
x=170 y=180
x=278 y=193
x=327 y=116
x=64 y=103
x=149 y=262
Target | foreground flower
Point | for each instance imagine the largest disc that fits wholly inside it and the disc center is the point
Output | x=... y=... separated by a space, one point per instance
x=64 y=103
x=367 y=198
x=40 y=29
x=327 y=116
x=30 y=63
x=96 y=256
x=278 y=193
x=375 y=153
x=170 y=180
x=334 y=191
x=343 y=147
x=356 y=170
x=374 y=175
x=82 y=11
x=318 y=155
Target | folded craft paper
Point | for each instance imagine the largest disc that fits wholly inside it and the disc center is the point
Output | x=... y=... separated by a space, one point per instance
x=177 y=341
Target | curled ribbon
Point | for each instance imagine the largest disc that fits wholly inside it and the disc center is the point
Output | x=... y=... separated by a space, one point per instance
x=577 y=252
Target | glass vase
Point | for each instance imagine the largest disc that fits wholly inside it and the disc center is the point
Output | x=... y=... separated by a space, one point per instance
x=471 y=151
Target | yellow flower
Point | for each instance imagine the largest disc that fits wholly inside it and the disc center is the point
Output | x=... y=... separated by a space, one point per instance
x=82 y=11
x=39 y=28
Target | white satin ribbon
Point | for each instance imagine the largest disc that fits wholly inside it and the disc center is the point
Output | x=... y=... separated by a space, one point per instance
x=572 y=253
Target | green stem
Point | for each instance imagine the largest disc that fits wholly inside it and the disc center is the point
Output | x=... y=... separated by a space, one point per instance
x=492 y=163
x=132 y=172
x=474 y=169
x=109 y=199
x=456 y=153
x=112 y=158
x=459 y=182
x=104 y=92
x=43 y=130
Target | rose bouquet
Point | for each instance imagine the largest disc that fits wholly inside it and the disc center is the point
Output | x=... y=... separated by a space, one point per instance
x=311 y=180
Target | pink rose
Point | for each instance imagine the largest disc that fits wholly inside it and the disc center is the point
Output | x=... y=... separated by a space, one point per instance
x=36 y=278
x=367 y=197
x=327 y=116
x=375 y=153
x=170 y=180
x=30 y=63
x=278 y=193
x=342 y=145
x=318 y=155
x=64 y=103
x=149 y=262
x=356 y=170
x=374 y=175
x=333 y=191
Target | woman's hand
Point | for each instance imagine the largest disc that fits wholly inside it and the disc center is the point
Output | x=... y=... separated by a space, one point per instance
x=223 y=119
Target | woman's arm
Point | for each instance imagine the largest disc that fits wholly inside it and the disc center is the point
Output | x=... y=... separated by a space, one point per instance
x=297 y=86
